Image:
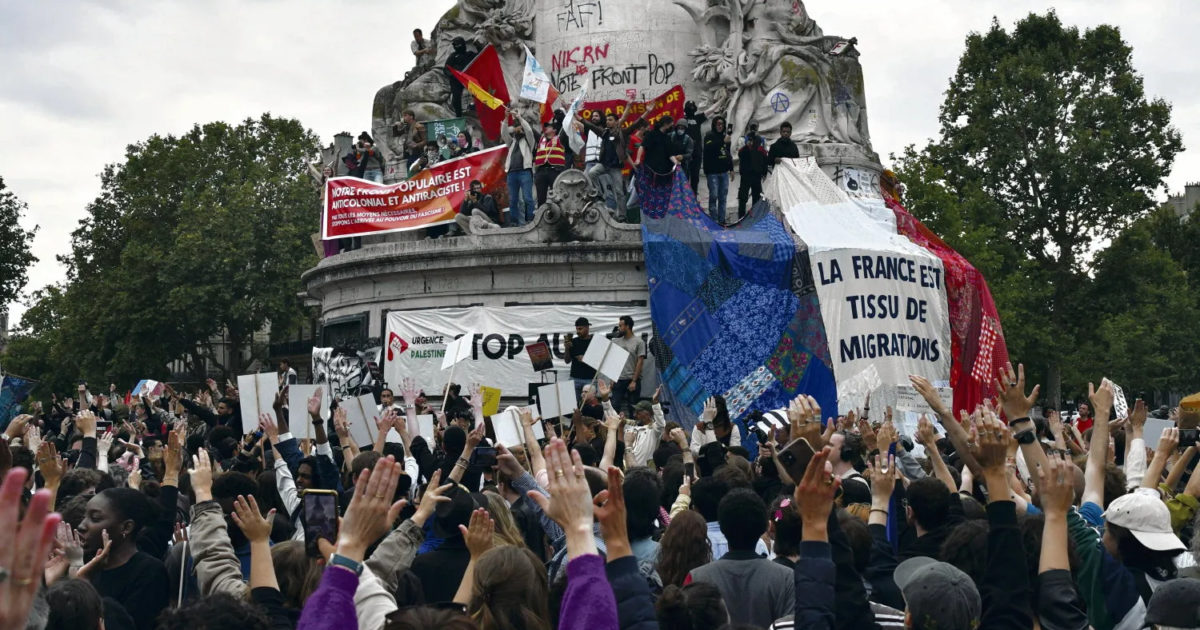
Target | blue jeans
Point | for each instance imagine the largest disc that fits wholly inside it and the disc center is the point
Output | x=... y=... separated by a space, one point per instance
x=718 y=192
x=520 y=184
x=374 y=175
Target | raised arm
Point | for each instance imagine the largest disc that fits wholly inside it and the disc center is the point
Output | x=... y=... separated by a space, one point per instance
x=1093 y=487
x=954 y=429
x=1058 y=598
x=928 y=438
x=537 y=461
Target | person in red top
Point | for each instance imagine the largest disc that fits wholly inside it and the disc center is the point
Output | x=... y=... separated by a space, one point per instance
x=549 y=159
x=1085 y=419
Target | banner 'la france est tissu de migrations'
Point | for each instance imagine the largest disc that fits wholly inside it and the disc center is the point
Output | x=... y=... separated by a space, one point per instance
x=357 y=207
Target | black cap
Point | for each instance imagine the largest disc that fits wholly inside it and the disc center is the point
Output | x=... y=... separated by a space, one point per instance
x=582 y=321
x=1175 y=603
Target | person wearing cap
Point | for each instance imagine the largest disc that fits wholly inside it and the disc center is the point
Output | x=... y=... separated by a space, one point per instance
x=577 y=346
x=1175 y=604
x=647 y=433
x=1120 y=568
x=370 y=160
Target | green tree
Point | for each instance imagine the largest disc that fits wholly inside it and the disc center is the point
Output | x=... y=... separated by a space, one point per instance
x=1048 y=147
x=191 y=236
x=35 y=349
x=15 y=252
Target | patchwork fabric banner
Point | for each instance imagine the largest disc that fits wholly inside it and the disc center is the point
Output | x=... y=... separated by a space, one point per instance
x=735 y=309
x=843 y=293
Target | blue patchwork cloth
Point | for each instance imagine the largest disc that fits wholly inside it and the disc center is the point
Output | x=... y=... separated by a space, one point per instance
x=733 y=308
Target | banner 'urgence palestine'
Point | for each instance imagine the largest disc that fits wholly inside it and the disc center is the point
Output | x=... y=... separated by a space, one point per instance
x=357 y=207
x=416 y=342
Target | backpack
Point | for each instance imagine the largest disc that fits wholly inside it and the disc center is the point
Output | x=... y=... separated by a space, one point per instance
x=350 y=161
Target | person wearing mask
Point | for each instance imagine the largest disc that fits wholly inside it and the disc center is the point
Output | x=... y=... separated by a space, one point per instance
x=752 y=166
x=685 y=148
x=464 y=144
x=518 y=135
x=692 y=122
x=784 y=147
x=614 y=142
x=422 y=49
x=459 y=59
x=718 y=164
x=549 y=160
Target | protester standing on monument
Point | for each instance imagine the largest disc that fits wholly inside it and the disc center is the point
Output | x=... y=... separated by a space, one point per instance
x=370 y=159
x=752 y=166
x=659 y=151
x=414 y=137
x=577 y=346
x=422 y=49
x=550 y=159
x=692 y=121
x=613 y=152
x=459 y=60
x=287 y=374
x=627 y=390
x=685 y=148
x=591 y=159
x=517 y=135
x=784 y=147
x=464 y=144
x=718 y=163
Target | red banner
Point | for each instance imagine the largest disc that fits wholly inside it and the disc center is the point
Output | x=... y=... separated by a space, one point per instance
x=357 y=207
x=669 y=102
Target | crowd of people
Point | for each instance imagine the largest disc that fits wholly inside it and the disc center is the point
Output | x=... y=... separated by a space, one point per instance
x=173 y=511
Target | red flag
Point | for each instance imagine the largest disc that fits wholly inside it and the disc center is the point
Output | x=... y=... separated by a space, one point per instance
x=548 y=107
x=489 y=75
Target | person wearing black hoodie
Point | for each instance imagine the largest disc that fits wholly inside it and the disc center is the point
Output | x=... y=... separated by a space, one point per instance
x=718 y=163
x=752 y=166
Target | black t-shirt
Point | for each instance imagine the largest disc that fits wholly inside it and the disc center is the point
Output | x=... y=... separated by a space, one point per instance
x=140 y=585
x=579 y=369
x=659 y=148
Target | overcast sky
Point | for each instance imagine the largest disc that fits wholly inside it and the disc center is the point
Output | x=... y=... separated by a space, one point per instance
x=82 y=80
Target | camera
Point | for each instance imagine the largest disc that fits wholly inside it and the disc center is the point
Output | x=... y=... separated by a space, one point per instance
x=615 y=334
x=1188 y=437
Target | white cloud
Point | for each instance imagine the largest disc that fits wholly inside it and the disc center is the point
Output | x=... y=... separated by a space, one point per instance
x=82 y=80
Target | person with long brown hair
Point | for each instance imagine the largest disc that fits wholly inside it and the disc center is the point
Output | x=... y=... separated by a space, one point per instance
x=684 y=546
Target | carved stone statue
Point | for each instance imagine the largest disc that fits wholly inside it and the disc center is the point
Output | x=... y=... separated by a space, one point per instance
x=769 y=62
x=573 y=212
x=505 y=24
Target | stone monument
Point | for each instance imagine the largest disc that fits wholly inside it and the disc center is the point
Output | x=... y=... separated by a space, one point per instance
x=764 y=61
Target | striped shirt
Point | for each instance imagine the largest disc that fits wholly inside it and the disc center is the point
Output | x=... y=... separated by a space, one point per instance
x=887 y=617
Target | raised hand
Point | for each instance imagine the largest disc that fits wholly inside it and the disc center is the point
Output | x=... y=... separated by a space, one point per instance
x=33 y=438
x=478 y=536
x=50 y=464
x=16 y=428
x=925 y=433
x=1011 y=388
x=85 y=421
x=929 y=393
x=990 y=441
x=409 y=391
x=267 y=424
x=250 y=520
x=99 y=562
x=1137 y=417
x=475 y=437
x=371 y=512
x=813 y=497
x=201 y=475
x=609 y=508
x=657 y=395
x=508 y=463
x=314 y=404
x=603 y=388
x=882 y=473
x=432 y=497
x=887 y=435
x=173 y=454
x=710 y=412
x=1056 y=485
x=135 y=479
x=680 y=438
x=570 y=502
x=1101 y=398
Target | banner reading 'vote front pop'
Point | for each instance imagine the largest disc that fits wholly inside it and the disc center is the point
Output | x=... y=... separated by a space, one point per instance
x=357 y=207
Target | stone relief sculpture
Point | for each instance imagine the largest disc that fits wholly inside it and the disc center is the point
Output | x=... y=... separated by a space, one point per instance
x=573 y=212
x=768 y=61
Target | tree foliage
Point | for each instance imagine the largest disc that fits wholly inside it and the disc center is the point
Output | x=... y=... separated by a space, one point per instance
x=1048 y=149
x=190 y=237
x=16 y=254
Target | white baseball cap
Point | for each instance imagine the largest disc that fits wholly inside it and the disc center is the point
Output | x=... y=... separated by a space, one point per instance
x=1147 y=518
